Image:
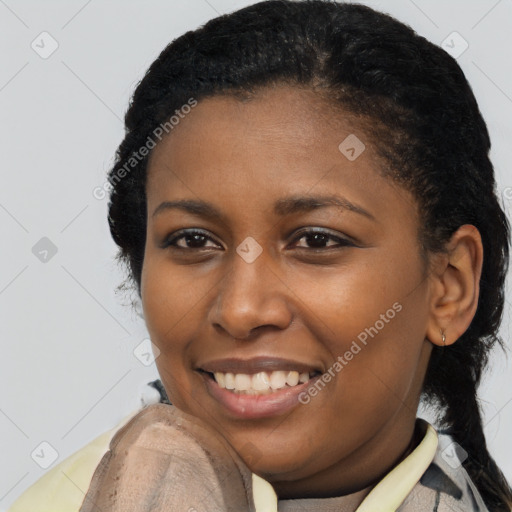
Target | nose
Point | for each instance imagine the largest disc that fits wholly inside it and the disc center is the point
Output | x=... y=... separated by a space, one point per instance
x=250 y=296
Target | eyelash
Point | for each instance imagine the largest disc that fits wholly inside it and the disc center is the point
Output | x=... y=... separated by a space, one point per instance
x=171 y=241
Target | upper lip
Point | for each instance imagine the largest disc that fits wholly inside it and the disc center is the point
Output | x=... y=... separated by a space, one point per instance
x=256 y=365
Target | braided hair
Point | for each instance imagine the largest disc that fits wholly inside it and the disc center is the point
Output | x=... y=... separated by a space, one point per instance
x=424 y=121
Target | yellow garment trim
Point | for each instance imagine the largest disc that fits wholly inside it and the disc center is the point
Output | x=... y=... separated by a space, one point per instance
x=392 y=490
x=386 y=496
x=264 y=496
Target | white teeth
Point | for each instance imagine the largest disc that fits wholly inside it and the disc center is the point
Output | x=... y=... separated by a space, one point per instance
x=221 y=379
x=260 y=383
x=277 y=380
x=243 y=382
x=292 y=379
x=229 y=380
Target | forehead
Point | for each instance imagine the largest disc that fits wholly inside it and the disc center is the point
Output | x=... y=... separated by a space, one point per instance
x=282 y=120
x=284 y=141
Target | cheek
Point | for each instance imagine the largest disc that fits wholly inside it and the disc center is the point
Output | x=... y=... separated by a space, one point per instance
x=372 y=320
x=169 y=304
x=169 y=300
x=377 y=369
x=371 y=294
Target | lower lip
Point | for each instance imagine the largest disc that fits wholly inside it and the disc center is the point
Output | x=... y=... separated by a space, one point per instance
x=257 y=406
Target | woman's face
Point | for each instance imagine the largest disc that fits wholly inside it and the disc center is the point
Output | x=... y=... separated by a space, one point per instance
x=259 y=300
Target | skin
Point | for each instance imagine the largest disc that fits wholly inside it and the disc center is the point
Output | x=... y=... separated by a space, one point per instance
x=294 y=302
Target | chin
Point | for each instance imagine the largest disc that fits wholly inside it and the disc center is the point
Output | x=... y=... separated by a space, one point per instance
x=271 y=462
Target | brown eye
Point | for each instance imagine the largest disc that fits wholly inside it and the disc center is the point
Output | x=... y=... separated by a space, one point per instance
x=193 y=239
x=319 y=239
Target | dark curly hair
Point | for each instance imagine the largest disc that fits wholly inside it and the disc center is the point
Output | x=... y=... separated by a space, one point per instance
x=423 y=119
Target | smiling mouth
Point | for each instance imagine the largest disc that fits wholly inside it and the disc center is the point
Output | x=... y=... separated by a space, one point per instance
x=261 y=383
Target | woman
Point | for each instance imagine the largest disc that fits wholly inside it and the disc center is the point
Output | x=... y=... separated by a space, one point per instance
x=307 y=209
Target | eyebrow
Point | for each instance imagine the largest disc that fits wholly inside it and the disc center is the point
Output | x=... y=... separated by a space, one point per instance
x=282 y=207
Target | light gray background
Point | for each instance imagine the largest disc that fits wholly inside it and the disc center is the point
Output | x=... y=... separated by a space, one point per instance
x=68 y=371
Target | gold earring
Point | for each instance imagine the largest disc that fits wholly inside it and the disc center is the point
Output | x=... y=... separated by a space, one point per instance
x=443 y=337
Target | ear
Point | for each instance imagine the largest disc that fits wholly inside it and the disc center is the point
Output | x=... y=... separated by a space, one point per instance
x=455 y=286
